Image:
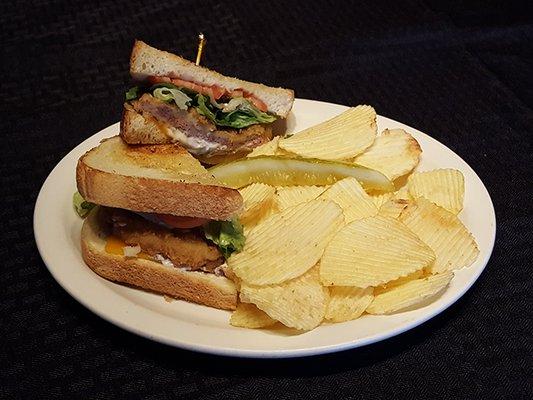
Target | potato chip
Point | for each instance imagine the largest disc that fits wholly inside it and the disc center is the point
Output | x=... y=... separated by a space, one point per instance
x=402 y=194
x=288 y=243
x=352 y=198
x=257 y=198
x=409 y=294
x=228 y=273
x=347 y=302
x=373 y=251
x=381 y=199
x=340 y=138
x=444 y=187
x=265 y=213
x=393 y=208
x=393 y=153
x=299 y=303
x=400 y=281
x=288 y=196
x=247 y=315
x=267 y=149
x=441 y=230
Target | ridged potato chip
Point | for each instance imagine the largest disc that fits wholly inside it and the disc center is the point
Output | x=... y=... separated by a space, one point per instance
x=373 y=251
x=247 y=315
x=444 y=187
x=287 y=244
x=267 y=149
x=299 y=303
x=393 y=208
x=400 y=281
x=402 y=194
x=441 y=230
x=381 y=199
x=257 y=198
x=347 y=302
x=228 y=273
x=409 y=294
x=288 y=196
x=394 y=153
x=340 y=138
x=265 y=213
x=352 y=198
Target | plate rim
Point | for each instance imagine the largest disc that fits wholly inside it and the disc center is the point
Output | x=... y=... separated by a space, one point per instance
x=258 y=353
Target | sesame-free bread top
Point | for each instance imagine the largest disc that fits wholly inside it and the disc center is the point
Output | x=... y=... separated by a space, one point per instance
x=155 y=179
x=148 y=61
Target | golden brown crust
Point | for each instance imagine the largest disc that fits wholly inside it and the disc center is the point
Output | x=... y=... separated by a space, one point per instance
x=198 y=287
x=156 y=196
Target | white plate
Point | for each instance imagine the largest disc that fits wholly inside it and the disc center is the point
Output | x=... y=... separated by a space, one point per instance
x=199 y=328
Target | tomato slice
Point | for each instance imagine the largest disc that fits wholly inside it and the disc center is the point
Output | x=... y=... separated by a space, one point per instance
x=213 y=91
x=181 y=222
x=259 y=104
x=158 y=79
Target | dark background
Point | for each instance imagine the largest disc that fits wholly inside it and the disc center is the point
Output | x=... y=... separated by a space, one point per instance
x=462 y=73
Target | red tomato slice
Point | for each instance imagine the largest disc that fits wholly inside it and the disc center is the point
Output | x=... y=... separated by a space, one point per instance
x=259 y=104
x=158 y=79
x=181 y=222
x=214 y=91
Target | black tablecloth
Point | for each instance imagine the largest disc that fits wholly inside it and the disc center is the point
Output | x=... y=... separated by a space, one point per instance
x=462 y=73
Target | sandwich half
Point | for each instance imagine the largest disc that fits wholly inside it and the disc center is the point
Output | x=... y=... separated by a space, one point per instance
x=215 y=117
x=162 y=222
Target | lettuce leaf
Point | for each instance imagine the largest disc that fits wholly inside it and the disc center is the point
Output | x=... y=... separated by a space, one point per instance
x=205 y=107
x=81 y=206
x=244 y=115
x=133 y=93
x=172 y=94
x=227 y=235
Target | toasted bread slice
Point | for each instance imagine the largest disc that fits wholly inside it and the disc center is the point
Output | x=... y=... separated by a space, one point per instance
x=198 y=287
x=136 y=129
x=155 y=179
x=147 y=61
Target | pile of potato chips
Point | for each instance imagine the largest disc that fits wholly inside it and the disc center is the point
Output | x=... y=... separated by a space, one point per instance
x=333 y=253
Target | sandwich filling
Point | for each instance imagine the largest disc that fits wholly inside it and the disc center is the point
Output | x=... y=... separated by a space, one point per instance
x=184 y=248
x=197 y=133
x=193 y=244
x=204 y=119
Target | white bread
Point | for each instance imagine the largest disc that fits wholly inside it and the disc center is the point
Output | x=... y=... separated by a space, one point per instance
x=198 y=287
x=155 y=179
x=148 y=61
x=136 y=129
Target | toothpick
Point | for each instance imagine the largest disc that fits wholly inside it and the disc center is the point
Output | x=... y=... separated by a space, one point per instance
x=201 y=43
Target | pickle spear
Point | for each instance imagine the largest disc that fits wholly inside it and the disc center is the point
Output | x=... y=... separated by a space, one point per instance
x=288 y=171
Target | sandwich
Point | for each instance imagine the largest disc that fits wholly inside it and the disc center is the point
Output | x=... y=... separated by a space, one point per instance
x=161 y=221
x=215 y=117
